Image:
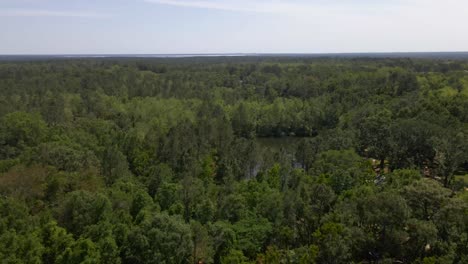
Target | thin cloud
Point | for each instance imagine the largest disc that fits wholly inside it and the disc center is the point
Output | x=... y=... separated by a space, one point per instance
x=19 y=12
x=317 y=8
x=330 y=9
x=239 y=5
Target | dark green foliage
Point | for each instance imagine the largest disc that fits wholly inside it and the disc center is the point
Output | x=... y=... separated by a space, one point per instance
x=19 y=130
x=234 y=160
x=81 y=210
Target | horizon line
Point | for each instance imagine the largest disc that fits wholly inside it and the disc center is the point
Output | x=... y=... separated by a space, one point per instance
x=225 y=53
x=220 y=53
x=444 y=55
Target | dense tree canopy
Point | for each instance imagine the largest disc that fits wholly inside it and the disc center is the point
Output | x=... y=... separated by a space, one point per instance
x=234 y=160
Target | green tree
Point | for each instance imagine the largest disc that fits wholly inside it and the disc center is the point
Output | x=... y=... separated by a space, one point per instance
x=81 y=210
x=82 y=251
x=114 y=165
x=426 y=197
x=343 y=169
x=56 y=243
x=450 y=152
x=18 y=131
x=333 y=243
x=159 y=239
x=374 y=134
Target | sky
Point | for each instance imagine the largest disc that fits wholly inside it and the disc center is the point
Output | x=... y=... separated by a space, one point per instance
x=231 y=26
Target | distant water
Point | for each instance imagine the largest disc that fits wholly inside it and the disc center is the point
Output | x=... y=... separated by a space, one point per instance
x=97 y=56
x=428 y=55
x=154 y=55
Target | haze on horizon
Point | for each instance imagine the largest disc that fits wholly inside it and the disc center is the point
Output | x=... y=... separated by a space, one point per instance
x=231 y=26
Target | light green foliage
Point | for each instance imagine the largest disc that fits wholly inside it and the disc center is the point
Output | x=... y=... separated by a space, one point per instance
x=343 y=169
x=20 y=248
x=399 y=178
x=159 y=239
x=81 y=251
x=19 y=242
x=57 y=243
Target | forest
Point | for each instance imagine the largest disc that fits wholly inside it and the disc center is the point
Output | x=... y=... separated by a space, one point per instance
x=234 y=160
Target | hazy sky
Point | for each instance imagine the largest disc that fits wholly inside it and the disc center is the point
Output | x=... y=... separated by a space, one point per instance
x=229 y=26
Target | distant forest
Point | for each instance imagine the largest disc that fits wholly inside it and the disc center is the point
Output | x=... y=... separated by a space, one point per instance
x=234 y=160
